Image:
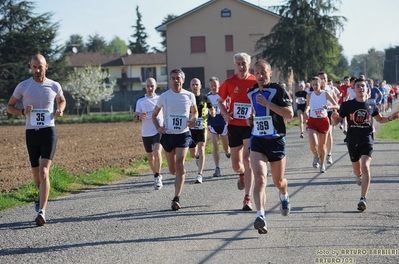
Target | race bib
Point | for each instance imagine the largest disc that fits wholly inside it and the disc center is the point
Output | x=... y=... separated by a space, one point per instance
x=217 y=110
x=199 y=124
x=319 y=112
x=241 y=111
x=301 y=100
x=263 y=126
x=40 y=117
x=177 y=123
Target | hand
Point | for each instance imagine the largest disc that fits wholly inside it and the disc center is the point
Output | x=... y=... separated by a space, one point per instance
x=143 y=115
x=250 y=121
x=227 y=117
x=260 y=99
x=191 y=123
x=59 y=113
x=28 y=109
x=334 y=115
x=161 y=130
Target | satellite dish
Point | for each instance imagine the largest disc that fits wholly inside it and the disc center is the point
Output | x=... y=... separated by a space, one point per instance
x=74 y=50
x=129 y=52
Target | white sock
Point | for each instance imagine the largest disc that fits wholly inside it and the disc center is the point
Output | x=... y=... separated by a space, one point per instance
x=283 y=197
x=42 y=211
x=261 y=213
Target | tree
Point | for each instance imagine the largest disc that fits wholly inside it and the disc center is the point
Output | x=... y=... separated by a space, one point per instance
x=96 y=43
x=304 y=39
x=89 y=86
x=370 y=64
x=75 y=41
x=117 y=46
x=22 y=34
x=168 y=18
x=140 y=44
x=391 y=65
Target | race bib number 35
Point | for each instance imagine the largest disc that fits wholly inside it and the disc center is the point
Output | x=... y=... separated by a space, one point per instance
x=242 y=111
x=40 y=117
x=263 y=126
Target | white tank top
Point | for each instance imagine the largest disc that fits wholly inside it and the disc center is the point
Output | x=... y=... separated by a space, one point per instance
x=316 y=104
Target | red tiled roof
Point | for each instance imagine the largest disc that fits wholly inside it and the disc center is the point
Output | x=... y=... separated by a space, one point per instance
x=96 y=59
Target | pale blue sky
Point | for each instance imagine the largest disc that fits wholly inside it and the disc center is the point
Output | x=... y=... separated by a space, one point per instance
x=370 y=23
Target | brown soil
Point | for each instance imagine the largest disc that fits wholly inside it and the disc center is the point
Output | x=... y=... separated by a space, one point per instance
x=81 y=148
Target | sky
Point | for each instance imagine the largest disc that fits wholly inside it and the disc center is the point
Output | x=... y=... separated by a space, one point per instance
x=371 y=23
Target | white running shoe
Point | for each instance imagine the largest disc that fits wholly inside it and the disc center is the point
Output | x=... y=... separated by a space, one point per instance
x=198 y=179
x=315 y=162
x=158 y=182
x=323 y=168
x=329 y=159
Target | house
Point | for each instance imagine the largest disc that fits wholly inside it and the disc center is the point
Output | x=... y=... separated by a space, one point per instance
x=130 y=73
x=203 y=41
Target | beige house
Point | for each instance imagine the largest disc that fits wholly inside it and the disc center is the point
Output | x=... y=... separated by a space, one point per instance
x=130 y=72
x=203 y=41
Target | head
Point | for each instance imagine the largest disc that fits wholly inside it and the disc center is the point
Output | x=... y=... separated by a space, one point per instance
x=317 y=84
x=360 y=87
x=347 y=80
x=38 y=66
x=195 y=86
x=323 y=76
x=176 y=79
x=214 y=85
x=150 y=86
x=370 y=82
x=262 y=72
x=301 y=86
x=242 y=62
x=337 y=83
x=352 y=81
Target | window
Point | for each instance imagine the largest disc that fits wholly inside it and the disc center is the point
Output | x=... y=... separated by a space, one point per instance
x=225 y=13
x=228 y=39
x=163 y=71
x=197 y=44
x=149 y=72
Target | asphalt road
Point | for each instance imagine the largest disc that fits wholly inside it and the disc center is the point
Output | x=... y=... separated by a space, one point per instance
x=130 y=222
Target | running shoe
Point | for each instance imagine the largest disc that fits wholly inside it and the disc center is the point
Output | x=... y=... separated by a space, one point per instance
x=198 y=179
x=359 y=180
x=260 y=225
x=285 y=206
x=247 y=206
x=323 y=168
x=315 y=162
x=329 y=159
x=228 y=155
x=362 y=205
x=37 y=203
x=40 y=220
x=158 y=182
x=197 y=160
x=301 y=136
x=217 y=172
x=175 y=205
x=240 y=182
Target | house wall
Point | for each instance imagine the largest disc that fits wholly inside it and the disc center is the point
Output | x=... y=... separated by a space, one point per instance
x=246 y=24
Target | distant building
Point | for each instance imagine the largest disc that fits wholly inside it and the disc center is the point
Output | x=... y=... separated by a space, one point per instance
x=130 y=73
x=202 y=41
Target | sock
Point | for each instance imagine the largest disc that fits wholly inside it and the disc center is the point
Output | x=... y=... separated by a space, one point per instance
x=41 y=211
x=176 y=199
x=283 y=197
x=329 y=154
x=156 y=174
x=360 y=175
x=247 y=197
x=261 y=213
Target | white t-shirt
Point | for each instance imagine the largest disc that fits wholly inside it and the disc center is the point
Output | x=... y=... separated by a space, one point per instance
x=147 y=104
x=176 y=108
x=41 y=96
x=351 y=93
